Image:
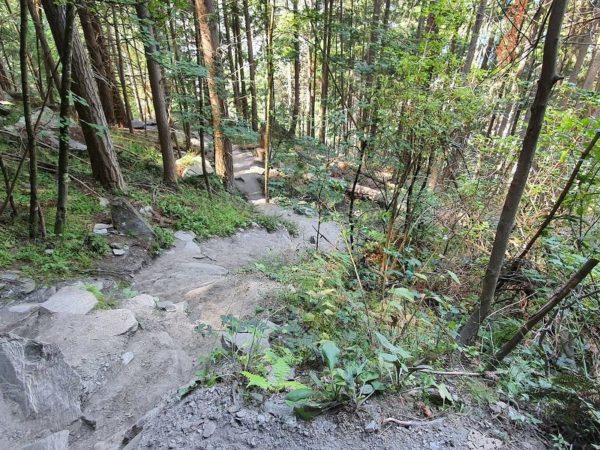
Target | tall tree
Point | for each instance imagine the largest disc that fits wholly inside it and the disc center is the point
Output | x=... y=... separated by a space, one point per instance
x=105 y=166
x=506 y=222
x=63 y=149
x=212 y=60
x=479 y=16
x=113 y=106
x=158 y=91
x=251 y=63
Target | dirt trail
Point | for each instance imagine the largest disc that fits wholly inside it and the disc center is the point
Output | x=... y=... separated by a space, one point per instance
x=192 y=283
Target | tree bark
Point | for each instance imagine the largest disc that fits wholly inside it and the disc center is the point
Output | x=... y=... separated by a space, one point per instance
x=158 y=92
x=121 y=69
x=210 y=43
x=63 y=146
x=594 y=68
x=31 y=150
x=474 y=37
x=251 y=63
x=105 y=166
x=547 y=80
x=544 y=310
x=296 y=89
x=41 y=36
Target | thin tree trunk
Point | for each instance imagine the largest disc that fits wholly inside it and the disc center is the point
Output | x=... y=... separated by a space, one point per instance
x=547 y=80
x=237 y=37
x=296 y=89
x=474 y=37
x=270 y=16
x=251 y=64
x=105 y=166
x=210 y=44
x=121 y=68
x=158 y=93
x=593 y=69
x=31 y=150
x=41 y=36
x=544 y=310
x=63 y=146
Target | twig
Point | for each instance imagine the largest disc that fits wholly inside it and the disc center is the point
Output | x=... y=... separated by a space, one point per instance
x=413 y=423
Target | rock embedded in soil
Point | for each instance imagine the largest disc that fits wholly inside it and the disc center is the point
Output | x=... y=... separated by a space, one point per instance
x=129 y=221
x=71 y=300
x=13 y=285
x=54 y=441
x=246 y=343
x=209 y=429
x=35 y=376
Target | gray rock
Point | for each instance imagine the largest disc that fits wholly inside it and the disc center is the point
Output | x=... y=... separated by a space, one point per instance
x=55 y=441
x=14 y=285
x=118 y=251
x=186 y=236
x=104 y=202
x=127 y=358
x=101 y=231
x=209 y=429
x=129 y=221
x=372 y=426
x=35 y=376
x=147 y=211
x=71 y=300
x=278 y=408
x=115 y=322
x=141 y=302
x=193 y=168
x=245 y=342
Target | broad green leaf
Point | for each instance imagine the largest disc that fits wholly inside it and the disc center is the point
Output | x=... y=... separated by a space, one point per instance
x=330 y=353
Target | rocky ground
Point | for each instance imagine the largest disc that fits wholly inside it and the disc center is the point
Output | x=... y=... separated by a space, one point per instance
x=75 y=376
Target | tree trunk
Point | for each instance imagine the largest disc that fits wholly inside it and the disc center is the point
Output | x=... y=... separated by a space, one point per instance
x=121 y=67
x=296 y=90
x=31 y=150
x=105 y=166
x=270 y=20
x=325 y=69
x=210 y=44
x=158 y=92
x=63 y=145
x=41 y=36
x=544 y=310
x=547 y=80
x=237 y=101
x=251 y=64
x=114 y=110
x=474 y=37
x=237 y=33
x=594 y=68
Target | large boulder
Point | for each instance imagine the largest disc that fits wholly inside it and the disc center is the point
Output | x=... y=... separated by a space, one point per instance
x=36 y=378
x=129 y=221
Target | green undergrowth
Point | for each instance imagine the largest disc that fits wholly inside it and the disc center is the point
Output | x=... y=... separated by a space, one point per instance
x=189 y=207
x=344 y=345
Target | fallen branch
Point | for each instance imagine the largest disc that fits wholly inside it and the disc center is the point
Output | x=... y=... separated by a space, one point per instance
x=413 y=423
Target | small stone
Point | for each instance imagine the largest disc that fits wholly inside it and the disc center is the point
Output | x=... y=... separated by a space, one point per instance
x=49 y=251
x=372 y=426
x=118 y=251
x=209 y=429
x=147 y=211
x=104 y=202
x=101 y=231
x=102 y=226
x=312 y=240
x=127 y=358
x=116 y=245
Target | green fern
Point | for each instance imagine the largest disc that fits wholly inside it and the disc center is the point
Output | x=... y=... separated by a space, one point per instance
x=257 y=380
